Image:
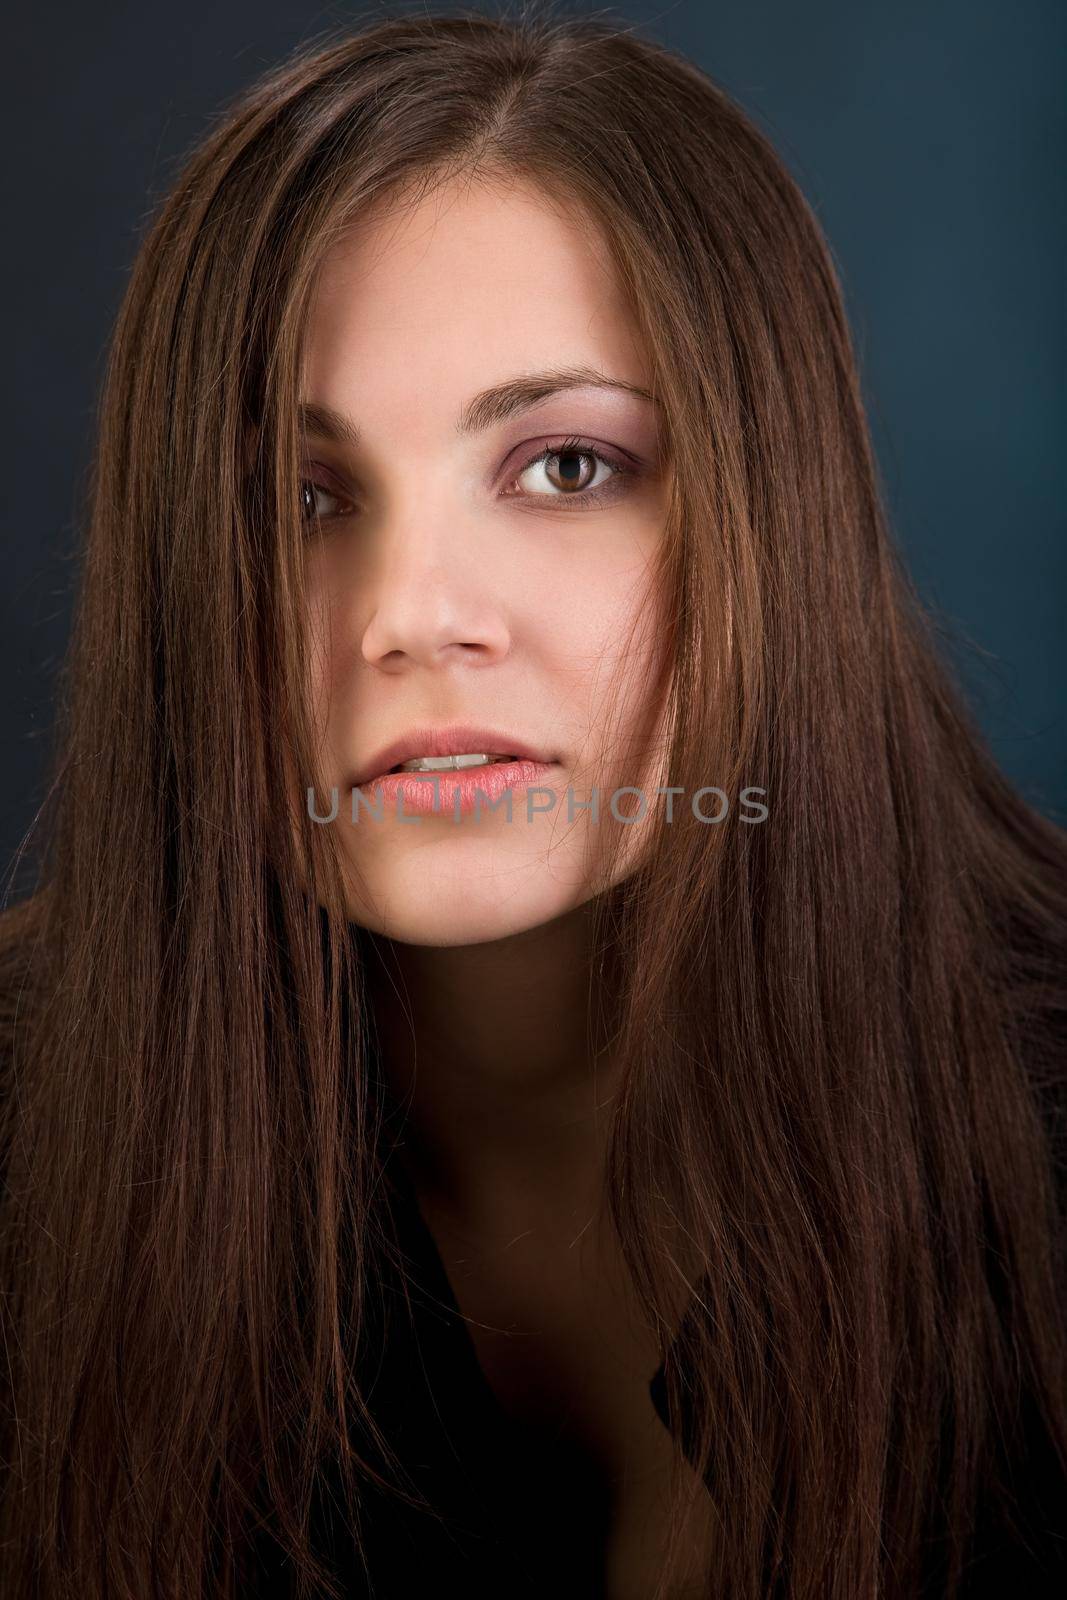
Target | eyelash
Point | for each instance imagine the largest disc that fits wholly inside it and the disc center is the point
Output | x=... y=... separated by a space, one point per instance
x=571 y=446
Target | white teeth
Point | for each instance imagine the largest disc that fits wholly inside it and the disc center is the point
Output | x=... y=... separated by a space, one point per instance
x=449 y=763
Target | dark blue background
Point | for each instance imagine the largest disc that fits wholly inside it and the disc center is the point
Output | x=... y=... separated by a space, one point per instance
x=929 y=139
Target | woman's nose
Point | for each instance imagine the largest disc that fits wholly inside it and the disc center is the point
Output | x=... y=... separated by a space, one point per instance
x=434 y=599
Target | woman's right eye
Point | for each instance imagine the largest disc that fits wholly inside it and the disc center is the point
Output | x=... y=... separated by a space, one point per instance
x=309 y=488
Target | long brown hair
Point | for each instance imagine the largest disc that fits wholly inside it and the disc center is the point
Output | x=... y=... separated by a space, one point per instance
x=840 y=1027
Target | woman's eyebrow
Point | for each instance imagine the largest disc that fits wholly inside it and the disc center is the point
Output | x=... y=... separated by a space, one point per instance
x=505 y=399
x=493 y=405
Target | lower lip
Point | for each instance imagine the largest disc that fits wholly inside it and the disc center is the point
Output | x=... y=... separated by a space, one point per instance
x=455 y=793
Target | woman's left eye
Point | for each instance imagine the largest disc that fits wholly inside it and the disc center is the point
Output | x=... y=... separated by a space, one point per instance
x=576 y=472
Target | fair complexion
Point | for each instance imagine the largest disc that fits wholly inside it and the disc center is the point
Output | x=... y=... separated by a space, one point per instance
x=453 y=577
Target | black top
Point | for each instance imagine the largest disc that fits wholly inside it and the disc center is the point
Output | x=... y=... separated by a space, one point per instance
x=504 y=1491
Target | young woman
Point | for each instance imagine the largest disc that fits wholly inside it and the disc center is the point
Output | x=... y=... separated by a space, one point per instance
x=536 y=1058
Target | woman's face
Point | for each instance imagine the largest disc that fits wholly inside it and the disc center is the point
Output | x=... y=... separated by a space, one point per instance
x=454 y=578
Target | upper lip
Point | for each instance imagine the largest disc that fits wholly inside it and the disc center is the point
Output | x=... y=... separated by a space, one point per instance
x=450 y=741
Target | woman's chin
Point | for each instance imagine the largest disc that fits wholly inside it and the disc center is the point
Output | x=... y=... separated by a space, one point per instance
x=416 y=903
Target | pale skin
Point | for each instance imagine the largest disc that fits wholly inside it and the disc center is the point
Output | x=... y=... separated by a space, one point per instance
x=450 y=582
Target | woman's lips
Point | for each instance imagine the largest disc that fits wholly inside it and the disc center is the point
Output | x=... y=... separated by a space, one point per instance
x=451 y=794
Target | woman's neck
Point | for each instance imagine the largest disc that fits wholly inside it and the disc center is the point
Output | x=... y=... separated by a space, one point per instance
x=489 y=1046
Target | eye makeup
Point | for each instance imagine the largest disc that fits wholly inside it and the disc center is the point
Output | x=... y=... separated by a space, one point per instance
x=621 y=470
x=624 y=469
